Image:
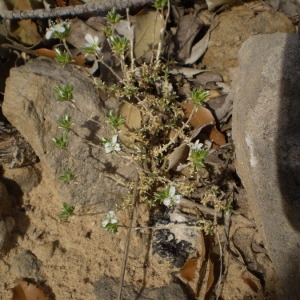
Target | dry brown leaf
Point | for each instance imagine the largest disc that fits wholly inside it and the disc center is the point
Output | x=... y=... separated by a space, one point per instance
x=133 y=120
x=79 y=60
x=28 y=291
x=25 y=31
x=148 y=27
x=201 y=117
x=188 y=271
x=178 y=155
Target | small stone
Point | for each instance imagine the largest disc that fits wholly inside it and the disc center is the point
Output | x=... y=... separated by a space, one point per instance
x=44 y=251
x=26 y=265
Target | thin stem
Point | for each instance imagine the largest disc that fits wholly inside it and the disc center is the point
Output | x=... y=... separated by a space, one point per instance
x=132 y=63
x=67 y=47
x=161 y=34
x=125 y=256
x=165 y=147
x=101 y=60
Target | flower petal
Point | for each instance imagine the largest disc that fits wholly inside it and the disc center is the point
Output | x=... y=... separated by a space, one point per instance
x=177 y=199
x=117 y=147
x=172 y=191
x=105 y=223
x=49 y=33
x=108 y=147
x=111 y=214
x=167 y=202
x=89 y=39
x=114 y=221
x=114 y=139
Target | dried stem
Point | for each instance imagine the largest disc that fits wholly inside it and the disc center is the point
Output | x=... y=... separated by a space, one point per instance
x=72 y=11
x=125 y=256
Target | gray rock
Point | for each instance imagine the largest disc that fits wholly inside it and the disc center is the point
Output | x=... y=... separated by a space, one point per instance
x=290 y=7
x=107 y=288
x=31 y=107
x=236 y=26
x=21 y=181
x=26 y=265
x=266 y=133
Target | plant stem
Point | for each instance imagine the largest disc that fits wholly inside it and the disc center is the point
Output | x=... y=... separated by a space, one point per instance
x=125 y=256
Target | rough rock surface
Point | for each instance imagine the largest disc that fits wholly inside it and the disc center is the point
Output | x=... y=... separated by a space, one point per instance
x=33 y=103
x=234 y=27
x=266 y=133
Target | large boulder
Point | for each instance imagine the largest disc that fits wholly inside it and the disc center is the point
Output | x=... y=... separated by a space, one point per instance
x=30 y=106
x=266 y=133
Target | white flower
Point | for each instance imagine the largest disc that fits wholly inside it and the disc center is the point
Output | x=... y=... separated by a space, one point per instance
x=92 y=42
x=195 y=146
x=112 y=145
x=110 y=218
x=172 y=198
x=57 y=28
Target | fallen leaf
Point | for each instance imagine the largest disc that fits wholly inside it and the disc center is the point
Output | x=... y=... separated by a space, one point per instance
x=78 y=32
x=133 y=120
x=198 y=49
x=124 y=28
x=201 y=117
x=25 y=31
x=27 y=291
x=187 y=72
x=188 y=271
x=208 y=76
x=79 y=60
x=188 y=27
x=148 y=27
x=177 y=156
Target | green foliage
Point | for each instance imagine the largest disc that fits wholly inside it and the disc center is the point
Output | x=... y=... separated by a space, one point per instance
x=160 y=4
x=65 y=123
x=67 y=176
x=67 y=211
x=119 y=45
x=62 y=57
x=64 y=93
x=114 y=120
x=62 y=141
x=197 y=157
x=108 y=31
x=112 y=17
x=199 y=97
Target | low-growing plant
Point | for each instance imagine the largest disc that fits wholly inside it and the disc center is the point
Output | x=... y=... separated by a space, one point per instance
x=164 y=128
x=67 y=211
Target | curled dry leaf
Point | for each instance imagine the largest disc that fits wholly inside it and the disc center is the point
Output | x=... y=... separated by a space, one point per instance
x=28 y=291
x=201 y=117
x=179 y=155
x=188 y=27
x=198 y=49
x=188 y=271
x=187 y=72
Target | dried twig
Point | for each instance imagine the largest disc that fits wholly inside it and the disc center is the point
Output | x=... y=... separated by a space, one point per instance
x=72 y=11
